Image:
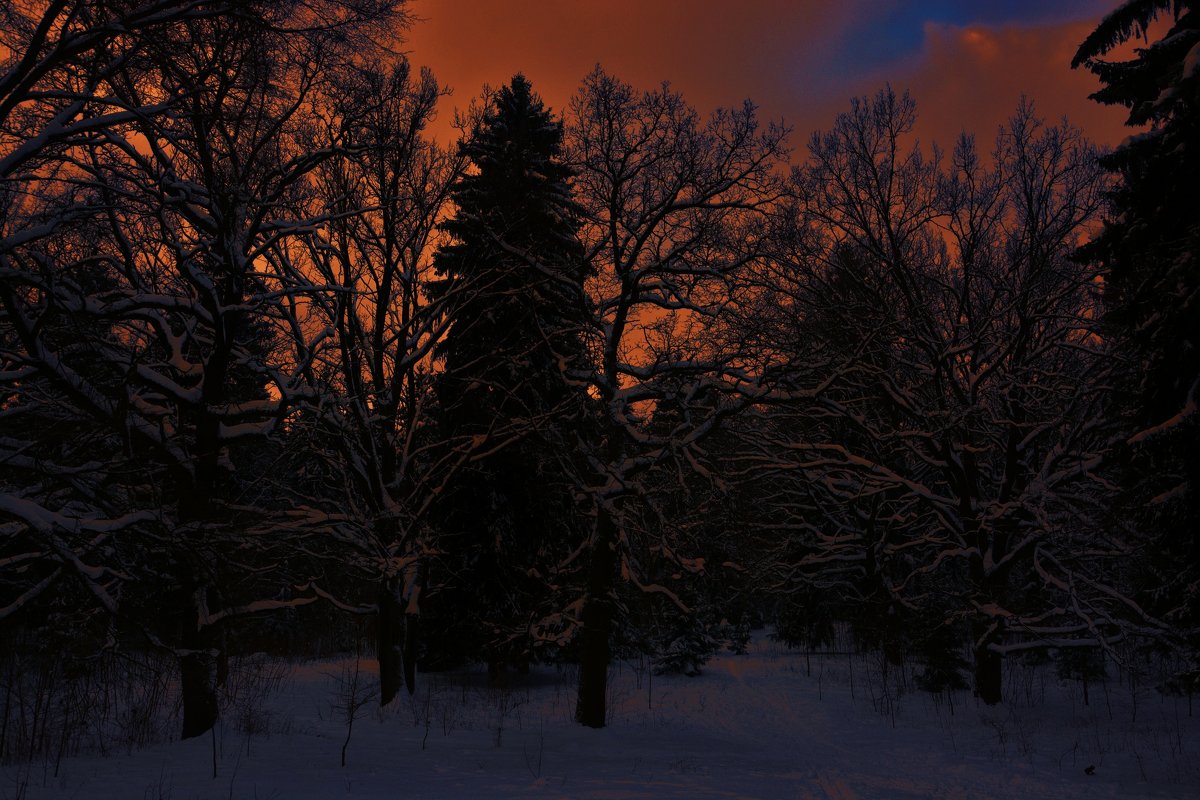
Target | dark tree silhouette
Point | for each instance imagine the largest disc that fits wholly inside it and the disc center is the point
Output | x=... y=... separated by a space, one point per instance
x=183 y=134
x=513 y=354
x=385 y=200
x=674 y=211
x=958 y=439
x=1149 y=254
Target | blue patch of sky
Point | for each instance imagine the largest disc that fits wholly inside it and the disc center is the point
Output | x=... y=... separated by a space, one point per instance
x=898 y=31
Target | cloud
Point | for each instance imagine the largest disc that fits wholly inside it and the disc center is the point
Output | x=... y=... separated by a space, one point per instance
x=798 y=60
x=972 y=77
x=714 y=52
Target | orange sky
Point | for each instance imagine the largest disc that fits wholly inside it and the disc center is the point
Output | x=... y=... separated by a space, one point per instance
x=801 y=60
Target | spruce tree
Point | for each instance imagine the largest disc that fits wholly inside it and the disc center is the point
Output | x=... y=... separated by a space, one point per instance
x=512 y=278
x=1150 y=252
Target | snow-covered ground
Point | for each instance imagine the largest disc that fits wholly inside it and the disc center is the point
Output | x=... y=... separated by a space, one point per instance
x=770 y=724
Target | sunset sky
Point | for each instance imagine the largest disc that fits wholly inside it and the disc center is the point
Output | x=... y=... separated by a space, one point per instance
x=966 y=62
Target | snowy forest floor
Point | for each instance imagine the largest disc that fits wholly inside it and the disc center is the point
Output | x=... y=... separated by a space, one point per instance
x=769 y=724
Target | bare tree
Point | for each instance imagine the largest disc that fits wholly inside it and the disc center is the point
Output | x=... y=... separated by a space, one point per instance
x=674 y=207
x=959 y=449
x=384 y=200
x=184 y=140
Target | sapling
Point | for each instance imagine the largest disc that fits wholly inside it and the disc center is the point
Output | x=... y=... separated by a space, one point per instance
x=353 y=695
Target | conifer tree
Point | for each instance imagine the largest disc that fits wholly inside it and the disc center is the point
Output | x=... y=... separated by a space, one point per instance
x=513 y=275
x=1149 y=252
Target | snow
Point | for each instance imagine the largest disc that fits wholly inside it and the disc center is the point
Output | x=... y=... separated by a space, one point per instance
x=773 y=723
x=1191 y=63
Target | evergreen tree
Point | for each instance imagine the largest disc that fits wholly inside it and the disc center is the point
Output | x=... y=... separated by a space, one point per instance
x=512 y=278
x=1149 y=250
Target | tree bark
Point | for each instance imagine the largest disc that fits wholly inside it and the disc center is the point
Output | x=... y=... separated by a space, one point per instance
x=987 y=671
x=412 y=631
x=597 y=621
x=389 y=641
x=198 y=683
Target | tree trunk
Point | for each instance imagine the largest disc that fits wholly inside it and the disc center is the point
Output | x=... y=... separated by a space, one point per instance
x=597 y=620
x=987 y=671
x=389 y=641
x=198 y=684
x=412 y=629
